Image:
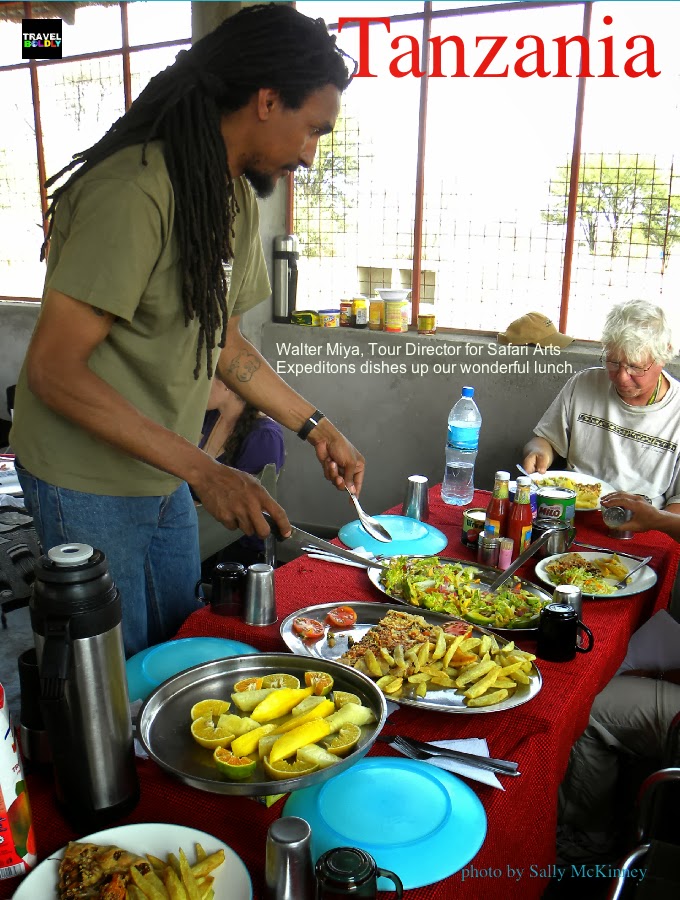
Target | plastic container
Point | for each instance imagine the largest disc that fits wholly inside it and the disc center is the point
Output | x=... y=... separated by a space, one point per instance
x=329 y=318
x=394 y=319
x=376 y=314
x=462 y=442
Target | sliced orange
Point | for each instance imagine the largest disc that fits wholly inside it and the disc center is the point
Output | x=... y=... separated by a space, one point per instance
x=208 y=734
x=237 y=768
x=344 y=740
x=342 y=697
x=280 y=680
x=205 y=708
x=322 y=682
x=248 y=684
x=284 y=769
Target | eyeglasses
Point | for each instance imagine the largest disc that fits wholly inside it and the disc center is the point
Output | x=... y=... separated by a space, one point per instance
x=613 y=365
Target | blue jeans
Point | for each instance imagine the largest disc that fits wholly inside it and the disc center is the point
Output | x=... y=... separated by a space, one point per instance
x=151 y=544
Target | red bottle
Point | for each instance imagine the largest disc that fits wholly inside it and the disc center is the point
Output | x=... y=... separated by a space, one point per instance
x=520 y=518
x=496 y=521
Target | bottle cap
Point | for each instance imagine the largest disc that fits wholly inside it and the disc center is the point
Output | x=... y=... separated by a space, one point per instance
x=468 y=392
x=502 y=476
x=70 y=554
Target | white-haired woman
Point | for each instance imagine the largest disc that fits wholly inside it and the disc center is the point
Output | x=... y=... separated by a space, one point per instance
x=620 y=422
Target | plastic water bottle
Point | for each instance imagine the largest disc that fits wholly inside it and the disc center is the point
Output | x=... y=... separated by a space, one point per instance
x=461 y=450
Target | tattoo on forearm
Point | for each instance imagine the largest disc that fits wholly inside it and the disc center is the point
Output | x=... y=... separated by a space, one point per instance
x=243 y=366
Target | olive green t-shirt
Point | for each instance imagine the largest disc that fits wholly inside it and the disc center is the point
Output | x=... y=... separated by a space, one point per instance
x=114 y=247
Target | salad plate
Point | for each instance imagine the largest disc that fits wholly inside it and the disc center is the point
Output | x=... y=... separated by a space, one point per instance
x=642 y=580
x=368 y=615
x=477 y=576
x=577 y=478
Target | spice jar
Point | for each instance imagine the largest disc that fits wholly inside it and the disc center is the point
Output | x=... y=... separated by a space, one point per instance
x=393 y=316
x=376 y=314
x=488 y=549
x=359 y=312
x=346 y=314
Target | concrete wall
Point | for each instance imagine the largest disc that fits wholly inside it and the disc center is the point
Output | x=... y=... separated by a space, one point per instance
x=17 y=321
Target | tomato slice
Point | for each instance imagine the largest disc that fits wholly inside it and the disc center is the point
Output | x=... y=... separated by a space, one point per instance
x=457 y=628
x=308 y=629
x=341 y=617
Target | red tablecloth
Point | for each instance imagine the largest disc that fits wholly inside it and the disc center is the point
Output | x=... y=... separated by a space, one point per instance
x=519 y=849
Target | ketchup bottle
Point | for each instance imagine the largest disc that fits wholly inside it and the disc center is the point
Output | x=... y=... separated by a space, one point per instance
x=496 y=521
x=520 y=518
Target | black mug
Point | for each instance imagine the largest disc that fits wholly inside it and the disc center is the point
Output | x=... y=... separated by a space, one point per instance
x=350 y=872
x=558 y=633
x=225 y=592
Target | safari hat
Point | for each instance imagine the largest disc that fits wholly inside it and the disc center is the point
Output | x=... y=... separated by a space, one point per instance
x=534 y=328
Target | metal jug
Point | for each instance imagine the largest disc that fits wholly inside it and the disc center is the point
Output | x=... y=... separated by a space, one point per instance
x=558 y=542
x=76 y=620
x=285 y=276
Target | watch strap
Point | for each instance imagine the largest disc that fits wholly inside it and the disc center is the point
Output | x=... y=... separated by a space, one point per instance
x=311 y=422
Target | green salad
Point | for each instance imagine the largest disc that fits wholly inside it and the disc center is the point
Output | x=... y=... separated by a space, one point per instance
x=455 y=588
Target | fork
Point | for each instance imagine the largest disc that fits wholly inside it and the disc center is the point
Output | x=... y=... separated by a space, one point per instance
x=420 y=750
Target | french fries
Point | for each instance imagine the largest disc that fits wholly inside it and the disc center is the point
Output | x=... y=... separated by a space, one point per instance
x=482 y=670
x=175 y=879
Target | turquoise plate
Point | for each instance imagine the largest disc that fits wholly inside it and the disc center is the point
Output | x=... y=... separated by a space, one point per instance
x=414 y=819
x=409 y=537
x=151 y=667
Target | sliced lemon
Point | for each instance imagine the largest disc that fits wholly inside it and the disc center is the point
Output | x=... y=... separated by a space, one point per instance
x=344 y=740
x=209 y=708
x=342 y=697
x=284 y=769
x=322 y=682
x=248 y=684
x=280 y=680
x=237 y=768
x=210 y=735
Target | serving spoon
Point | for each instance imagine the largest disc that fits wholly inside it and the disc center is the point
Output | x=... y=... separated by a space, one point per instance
x=524 y=472
x=371 y=525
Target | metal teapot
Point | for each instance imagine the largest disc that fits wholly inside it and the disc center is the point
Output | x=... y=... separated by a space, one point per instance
x=559 y=541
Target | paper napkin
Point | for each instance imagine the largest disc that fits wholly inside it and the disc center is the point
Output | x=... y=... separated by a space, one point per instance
x=477 y=746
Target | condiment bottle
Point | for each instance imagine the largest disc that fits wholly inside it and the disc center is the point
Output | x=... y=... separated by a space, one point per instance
x=505 y=553
x=376 y=314
x=520 y=518
x=496 y=521
x=393 y=316
x=17 y=843
x=359 y=312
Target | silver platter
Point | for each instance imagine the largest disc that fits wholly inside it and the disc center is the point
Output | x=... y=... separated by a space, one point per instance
x=487 y=574
x=164 y=725
x=368 y=615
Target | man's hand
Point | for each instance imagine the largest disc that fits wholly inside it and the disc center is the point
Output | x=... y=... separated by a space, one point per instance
x=237 y=500
x=342 y=463
x=645 y=516
x=538 y=455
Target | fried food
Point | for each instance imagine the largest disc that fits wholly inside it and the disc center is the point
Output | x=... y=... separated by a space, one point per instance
x=587 y=495
x=589 y=575
x=407 y=657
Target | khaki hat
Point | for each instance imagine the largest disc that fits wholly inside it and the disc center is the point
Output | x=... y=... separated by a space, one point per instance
x=534 y=328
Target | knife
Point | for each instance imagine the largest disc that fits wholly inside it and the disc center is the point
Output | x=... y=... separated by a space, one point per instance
x=303 y=541
x=641 y=565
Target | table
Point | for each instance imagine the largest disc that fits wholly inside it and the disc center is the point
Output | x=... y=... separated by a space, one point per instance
x=519 y=851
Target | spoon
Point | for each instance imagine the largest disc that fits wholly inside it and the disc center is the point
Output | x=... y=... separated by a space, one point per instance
x=524 y=472
x=371 y=525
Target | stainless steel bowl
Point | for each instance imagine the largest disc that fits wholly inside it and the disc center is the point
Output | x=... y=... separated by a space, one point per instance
x=164 y=724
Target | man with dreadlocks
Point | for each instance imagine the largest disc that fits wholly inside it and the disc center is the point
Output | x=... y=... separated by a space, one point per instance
x=154 y=255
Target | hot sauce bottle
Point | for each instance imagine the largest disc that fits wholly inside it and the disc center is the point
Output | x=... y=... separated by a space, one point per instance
x=496 y=521
x=520 y=518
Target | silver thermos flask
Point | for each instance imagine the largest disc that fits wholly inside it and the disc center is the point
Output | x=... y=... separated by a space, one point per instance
x=76 y=620
x=285 y=276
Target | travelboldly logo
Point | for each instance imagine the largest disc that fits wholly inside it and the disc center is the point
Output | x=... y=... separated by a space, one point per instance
x=41 y=39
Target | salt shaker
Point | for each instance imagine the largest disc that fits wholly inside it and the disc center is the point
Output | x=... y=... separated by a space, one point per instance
x=289 y=874
x=571 y=594
x=617 y=515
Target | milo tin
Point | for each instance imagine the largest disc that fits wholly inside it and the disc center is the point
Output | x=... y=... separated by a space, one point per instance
x=473 y=525
x=557 y=503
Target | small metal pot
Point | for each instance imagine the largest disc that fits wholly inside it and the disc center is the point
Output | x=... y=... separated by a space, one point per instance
x=559 y=541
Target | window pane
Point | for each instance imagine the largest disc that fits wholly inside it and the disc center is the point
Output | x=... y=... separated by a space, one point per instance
x=95 y=28
x=79 y=101
x=492 y=147
x=354 y=210
x=21 y=234
x=144 y=64
x=152 y=22
x=628 y=225
x=10 y=43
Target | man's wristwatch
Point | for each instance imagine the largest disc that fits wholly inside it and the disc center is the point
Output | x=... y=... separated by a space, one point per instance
x=311 y=422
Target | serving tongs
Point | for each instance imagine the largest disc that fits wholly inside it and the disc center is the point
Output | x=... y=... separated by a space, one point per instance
x=305 y=542
x=521 y=559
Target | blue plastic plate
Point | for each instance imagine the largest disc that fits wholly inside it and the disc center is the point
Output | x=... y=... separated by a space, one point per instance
x=151 y=667
x=409 y=537
x=414 y=819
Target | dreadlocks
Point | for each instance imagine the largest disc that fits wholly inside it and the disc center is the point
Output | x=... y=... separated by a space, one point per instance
x=269 y=46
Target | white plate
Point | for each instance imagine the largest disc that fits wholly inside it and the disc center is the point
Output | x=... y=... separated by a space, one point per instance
x=578 y=478
x=159 y=838
x=642 y=580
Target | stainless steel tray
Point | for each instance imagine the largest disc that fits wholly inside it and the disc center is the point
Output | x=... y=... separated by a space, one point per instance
x=164 y=724
x=487 y=574
x=368 y=615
